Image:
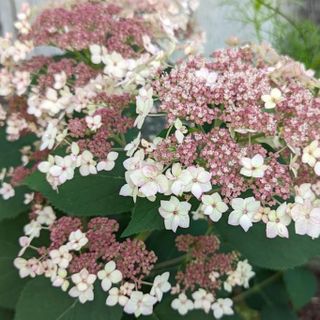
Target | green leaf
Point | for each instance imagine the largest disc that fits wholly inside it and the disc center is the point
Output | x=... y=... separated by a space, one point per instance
x=263 y=286
x=275 y=254
x=277 y=312
x=10 y=282
x=12 y=207
x=40 y=300
x=10 y=155
x=6 y=314
x=94 y=195
x=301 y=285
x=145 y=217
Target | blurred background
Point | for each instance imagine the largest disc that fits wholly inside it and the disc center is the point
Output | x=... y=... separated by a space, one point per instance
x=291 y=26
x=249 y=20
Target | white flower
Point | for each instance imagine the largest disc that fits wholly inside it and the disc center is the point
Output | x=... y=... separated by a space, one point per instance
x=175 y=213
x=120 y=296
x=200 y=181
x=209 y=77
x=140 y=304
x=133 y=146
x=144 y=104
x=94 y=123
x=109 y=275
x=83 y=288
x=51 y=103
x=108 y=165
x=213 y=206
x=21 y=81
x=88 y=165
x=239 y=277
x=198 y=215
x=244 y=212
x=7 y=191
x=24 y=243
x=97 y=53
x=45 y=166
x=179 y=179
x=202 y=300
x=245 y=273
x=32 y=229
x=134 y=162
x=59 y=280
x=46 y=216
x=60 y=80
x=49 y=268
x=22 y=24
x=182 y=304
x=307 y=219
x=61 y=136
x=77 y=240
x=61 y=257
x=115 y=65
x=160 y=285
x=27 y=268
x=149 y=179
x=222 y=307
x=151 y=146
x=278 y=222
x=271 y=100
x=181 y=130
x=28 y=198
x=304 y=193
x=254 y=167
x=116 y=296
x=63 y=169
x=311 y=153
x=214 y=276
x=317 y=168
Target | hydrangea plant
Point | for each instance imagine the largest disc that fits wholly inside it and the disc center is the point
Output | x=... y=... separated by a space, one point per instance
x=99 y=220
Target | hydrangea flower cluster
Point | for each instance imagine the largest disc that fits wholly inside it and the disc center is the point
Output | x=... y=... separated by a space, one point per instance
x=81 y=254
x=242 y=140
x=77 y=257
x=206 y=272
x=83 y=93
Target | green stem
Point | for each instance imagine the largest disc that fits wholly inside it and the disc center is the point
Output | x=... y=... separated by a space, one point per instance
x=170 y=263
x=157 y=115
x=143 y=236
x=168 y=132
x=118 y=140
x=257 y=288
x=285 y=17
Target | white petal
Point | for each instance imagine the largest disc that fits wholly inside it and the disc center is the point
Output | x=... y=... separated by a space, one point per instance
x=112 y=300
x=234 y=218
x=116 y=276
x=110 y=266
x=271 y=230
x=106 y=284
x=257 y=160
x=317 y=168
x=215 y=216
x=245 y=222
x=196 y=190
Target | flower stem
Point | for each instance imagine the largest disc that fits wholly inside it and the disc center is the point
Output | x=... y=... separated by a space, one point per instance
x=257 y=288
x=170 y=263
x=157 y=114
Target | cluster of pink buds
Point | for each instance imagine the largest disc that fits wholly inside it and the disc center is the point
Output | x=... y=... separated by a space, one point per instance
x=206 y=272
x=242 y=140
